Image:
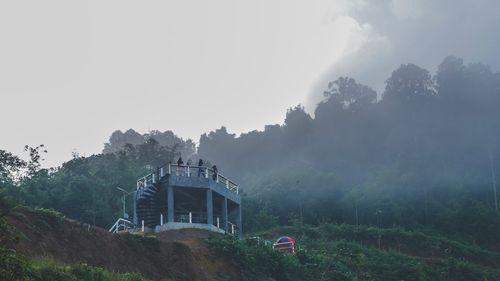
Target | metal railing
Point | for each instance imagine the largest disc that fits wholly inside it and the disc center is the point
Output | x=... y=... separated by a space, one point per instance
x=200 y=217
x=187 y=171
x=232 y=228
x=121 y=223
x=190 y=217
x=258 y=240
x=146 y=180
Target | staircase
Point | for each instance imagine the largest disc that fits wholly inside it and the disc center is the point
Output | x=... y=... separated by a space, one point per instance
x=152 y=202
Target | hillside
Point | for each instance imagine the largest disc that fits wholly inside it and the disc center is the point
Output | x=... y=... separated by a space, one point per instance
x=181 y=255
x=345 y=252
x=328 y=252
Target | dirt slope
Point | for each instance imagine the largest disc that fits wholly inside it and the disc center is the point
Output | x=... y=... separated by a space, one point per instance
x=175 y=255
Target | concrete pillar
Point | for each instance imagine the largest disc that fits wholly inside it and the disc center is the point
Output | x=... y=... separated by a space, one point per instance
x=170 y=203
x=238 y=221
x=210 y=207
x=224 y=214
x=135 y=209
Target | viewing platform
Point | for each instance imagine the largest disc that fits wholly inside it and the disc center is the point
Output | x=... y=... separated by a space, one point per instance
x=182 y=196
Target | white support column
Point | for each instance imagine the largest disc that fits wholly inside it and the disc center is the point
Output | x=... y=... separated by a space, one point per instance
x=134 y=219
x=189 y=171
x=210 y=207
x=224 y=214
x=169 y=168
x=238 y=221
x=161 y=219
x=190 y=217
x=142 y=226
x=206 y=173
x=170 y=204
x=218 y=222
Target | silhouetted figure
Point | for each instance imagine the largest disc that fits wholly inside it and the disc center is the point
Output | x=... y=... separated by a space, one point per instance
x=201 y=170
x=180 y=170
x=214 y=176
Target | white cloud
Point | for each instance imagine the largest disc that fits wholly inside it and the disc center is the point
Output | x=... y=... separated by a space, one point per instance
x=422 y=32
x=406 y=9
x=79 y=70
x=72 y=72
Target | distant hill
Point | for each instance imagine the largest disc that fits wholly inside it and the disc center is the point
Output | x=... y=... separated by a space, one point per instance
x=118 y=141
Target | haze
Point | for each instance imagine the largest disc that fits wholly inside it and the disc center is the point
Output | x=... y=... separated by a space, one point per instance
x=73 y=72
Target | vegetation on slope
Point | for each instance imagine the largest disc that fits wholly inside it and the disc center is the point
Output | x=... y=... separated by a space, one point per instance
x=423 y=153
x=17 y=267
x=332 y=252
x=422 y=156
x=42 y=241
x=14 y=267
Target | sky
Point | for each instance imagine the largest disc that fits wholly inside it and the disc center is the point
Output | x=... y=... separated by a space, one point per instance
x=72 y=72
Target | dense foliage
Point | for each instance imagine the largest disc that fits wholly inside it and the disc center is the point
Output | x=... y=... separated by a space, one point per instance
x=85 y=188
x=323 y=254
x=14 y=267
x=423 y=154
x=422 y=157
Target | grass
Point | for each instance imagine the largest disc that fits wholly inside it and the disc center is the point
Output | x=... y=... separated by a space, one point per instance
x=14 y=267
x=343 y=252
x=412 y=243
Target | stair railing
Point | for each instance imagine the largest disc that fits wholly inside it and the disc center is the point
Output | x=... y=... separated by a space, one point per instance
x=121 y=223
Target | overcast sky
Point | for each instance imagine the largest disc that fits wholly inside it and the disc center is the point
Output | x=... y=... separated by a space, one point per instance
x=72 y=72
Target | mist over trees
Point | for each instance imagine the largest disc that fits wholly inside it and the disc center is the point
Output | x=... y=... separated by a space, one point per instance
x=445 y=124
x=422 y=153
x=119 y=140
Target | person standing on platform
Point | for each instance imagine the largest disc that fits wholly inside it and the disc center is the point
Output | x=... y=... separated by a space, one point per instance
x=201 y=170
x=179 y=167
x=214 y=177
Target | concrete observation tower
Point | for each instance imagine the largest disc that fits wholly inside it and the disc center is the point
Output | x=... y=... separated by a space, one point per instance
x=179 y=196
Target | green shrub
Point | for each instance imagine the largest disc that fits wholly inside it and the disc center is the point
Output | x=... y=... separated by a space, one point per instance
x=12 y=267
x=49 y=213
x=350 y=253
x=16 y=268
x=257 y=261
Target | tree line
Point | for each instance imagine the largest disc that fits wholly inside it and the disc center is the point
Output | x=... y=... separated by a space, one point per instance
x=423 y=154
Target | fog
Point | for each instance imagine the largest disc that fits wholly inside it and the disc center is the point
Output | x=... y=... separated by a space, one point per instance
x=420 y=32
x=72 y=73
x=360 y=112
x=423 y=151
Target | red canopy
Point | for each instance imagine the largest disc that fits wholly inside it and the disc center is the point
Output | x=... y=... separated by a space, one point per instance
x=285 y=239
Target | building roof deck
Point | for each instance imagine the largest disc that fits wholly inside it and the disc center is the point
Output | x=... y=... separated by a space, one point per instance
x=188 y=171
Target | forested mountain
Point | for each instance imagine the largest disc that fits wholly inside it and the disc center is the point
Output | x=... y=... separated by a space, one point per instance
x=364 y=175
x=422 y=155
x=444 y=125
